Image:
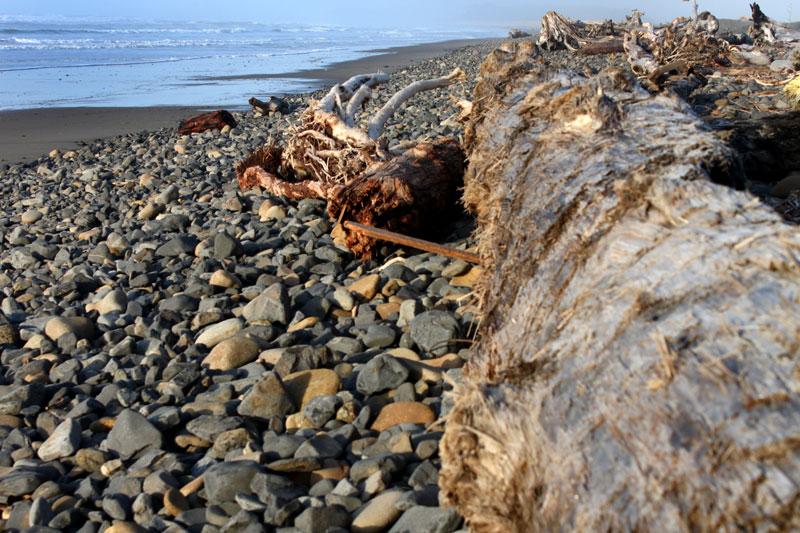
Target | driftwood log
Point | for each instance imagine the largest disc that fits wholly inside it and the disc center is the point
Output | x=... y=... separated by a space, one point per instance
x=415 y=194
x=637 y=367
x=272 y=105
x=215 y=120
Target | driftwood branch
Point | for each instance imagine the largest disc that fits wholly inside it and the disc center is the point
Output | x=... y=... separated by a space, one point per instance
x=377 y=123
x=637 y=361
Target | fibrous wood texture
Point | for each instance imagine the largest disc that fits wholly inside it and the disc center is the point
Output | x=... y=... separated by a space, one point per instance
x=215 y=120
x=414 y=193
x=637 y=367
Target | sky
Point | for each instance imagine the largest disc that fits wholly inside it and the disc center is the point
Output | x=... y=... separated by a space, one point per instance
x=386 y=13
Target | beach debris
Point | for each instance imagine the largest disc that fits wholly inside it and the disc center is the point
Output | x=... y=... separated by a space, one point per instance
x=272 y=105
x=631 y=366
x=328 y=157
x=215 y=120
x=516 y=33
x=792 y=92
x=414 y=194
x=558 y=33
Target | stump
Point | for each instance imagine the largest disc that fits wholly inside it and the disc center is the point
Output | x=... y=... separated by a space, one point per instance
x=637 y=366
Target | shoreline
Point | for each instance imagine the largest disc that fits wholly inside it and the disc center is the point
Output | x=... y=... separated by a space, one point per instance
x=28 y=134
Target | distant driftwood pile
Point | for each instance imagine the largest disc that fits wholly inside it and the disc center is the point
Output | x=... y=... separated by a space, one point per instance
x=637 y=363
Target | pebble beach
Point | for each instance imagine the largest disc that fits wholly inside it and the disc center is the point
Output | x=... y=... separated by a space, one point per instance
x=179 y=355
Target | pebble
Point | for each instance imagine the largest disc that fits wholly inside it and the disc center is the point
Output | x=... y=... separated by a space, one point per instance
x=377 y=514
x=267 y=398
x=431 y=519
x=307 y=384
x=403 y=413
x=231 y=353
x=365 y=288
x=216 y=333
x=63 y=442
x=81 y=327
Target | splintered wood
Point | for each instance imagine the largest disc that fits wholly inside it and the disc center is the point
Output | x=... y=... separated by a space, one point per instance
x=637 y=363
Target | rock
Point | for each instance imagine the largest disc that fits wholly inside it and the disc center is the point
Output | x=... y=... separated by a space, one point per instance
x=226 y=246
x=379 y=336
x=224 y=481
x=267 y=398
x=131 y=434
x=115 y=301
x=274 y=212
x=81 y=327
x=428 y=519
x=322 y=408
x=125 y=527
x=307 y=384
x=381 y=373
x=432 y=328
x=344 y=299
x=216 y=333
x=183 y=244
x=403 y=412
x=150 y=211
x=408 y=310
x=174 y=502
x=787 y=185
x=223 y=278
x=62 y=442
x=231 y=353
x=377 y=514
x=315 y=519
x=367 y=287
x=303 y=324
x=468 y=279
x=302 y=357
x=320 y=447
x=272 y=305
x=8 y=334
x=31 y=216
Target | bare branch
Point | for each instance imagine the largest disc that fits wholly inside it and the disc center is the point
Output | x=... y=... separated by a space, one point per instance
x=379 y=120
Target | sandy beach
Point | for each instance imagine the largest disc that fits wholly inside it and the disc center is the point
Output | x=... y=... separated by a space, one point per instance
x=28 y=134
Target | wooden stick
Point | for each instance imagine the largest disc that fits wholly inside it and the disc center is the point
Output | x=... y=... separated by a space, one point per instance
x=412 y=242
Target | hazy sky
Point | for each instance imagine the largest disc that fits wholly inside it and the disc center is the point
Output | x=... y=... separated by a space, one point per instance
x=387 y=13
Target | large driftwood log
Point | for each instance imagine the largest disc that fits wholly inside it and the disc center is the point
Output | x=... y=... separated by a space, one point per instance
x=415 y=193
x=637 y=367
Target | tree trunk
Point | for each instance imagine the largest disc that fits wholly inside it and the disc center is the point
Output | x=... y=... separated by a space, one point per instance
x=637 y=366
x=216 y=120
x=415 y=194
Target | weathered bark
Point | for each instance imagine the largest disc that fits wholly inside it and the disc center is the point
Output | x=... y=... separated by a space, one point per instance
x=558 y=33
x=294 y=190
x=638 y=352
x=762 y=28
x=414 y=194
x=206 y=121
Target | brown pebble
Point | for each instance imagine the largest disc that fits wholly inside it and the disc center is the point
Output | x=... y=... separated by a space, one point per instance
x=306 y=384
x=174 y=502
x=401 y=413
x=125 y=527
x=366 y=287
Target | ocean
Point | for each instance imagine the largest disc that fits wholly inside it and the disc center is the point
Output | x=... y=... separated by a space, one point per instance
x=74 y=62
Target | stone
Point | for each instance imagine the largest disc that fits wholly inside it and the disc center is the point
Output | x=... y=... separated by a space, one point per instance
x=226 y=246
x=468 y=279
x=343 y=299
x=315 y=519
x=431 y=329
x=381 y=373
x=307 y=384
x=224 y=481
x=377 y=514
x=183 y=244
x=125 y=527
x=234 y=439
x=367 y=287
x=81 y=327
x=174 y=502
x=320 y=447
x=403 y=412
x=787 y=185
x=8 y=334
x=231 y=353
x=322 y=408
x=272 y=305
x=31 y=216
x=150 y=211
x=223 y=278
x=267 y=398
x=379 y=336
x=216 y=333
x=303 y=324
x=428 y=519
x=62 y=442
x=115 y=301
x=408 y=310
x=274 y=212
x=302 y=357
x=131 y=434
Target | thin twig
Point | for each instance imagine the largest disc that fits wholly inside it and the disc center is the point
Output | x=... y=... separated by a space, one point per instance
x=412 y=242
